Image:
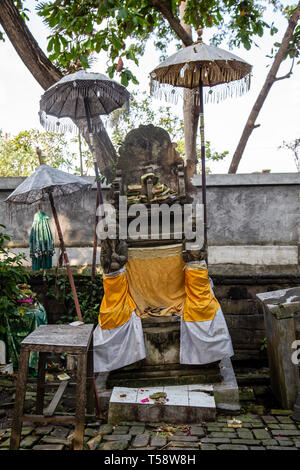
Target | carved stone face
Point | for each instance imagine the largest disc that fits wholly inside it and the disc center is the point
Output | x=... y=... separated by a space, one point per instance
x=148 y=147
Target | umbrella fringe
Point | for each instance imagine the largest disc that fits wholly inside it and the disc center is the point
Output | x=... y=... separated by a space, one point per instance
x=62 y=125
x=213 y=94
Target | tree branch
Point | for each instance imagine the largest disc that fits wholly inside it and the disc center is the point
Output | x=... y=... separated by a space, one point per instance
x=47 y=74
x=166 y=10
x=271 y=78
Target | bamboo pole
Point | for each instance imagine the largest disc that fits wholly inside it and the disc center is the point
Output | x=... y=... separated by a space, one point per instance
x=66 y=258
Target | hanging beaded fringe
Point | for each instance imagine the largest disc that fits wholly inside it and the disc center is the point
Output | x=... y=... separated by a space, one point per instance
x=63 y=125
x=213 y=94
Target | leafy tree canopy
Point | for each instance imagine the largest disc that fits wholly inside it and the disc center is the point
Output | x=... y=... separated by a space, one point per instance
x=80 y=28
x=18 y=153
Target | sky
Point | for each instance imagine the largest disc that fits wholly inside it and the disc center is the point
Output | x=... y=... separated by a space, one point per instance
x=279 y=118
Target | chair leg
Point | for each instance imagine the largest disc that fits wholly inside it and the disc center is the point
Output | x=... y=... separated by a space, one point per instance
x=40 y=390
x=80 y=401
x=19 y=403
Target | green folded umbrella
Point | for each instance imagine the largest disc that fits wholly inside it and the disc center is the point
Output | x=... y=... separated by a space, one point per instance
x=41 y=242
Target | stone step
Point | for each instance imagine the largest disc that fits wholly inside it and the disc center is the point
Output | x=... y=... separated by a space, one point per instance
x=165 y=374
x=156 y=381
x=190 y=403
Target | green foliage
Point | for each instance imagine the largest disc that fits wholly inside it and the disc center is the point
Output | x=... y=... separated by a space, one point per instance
x=122 y=28
x=11 y=273
x=142 y=112
x=89 y=296
x=18 y=153
x=264 y=344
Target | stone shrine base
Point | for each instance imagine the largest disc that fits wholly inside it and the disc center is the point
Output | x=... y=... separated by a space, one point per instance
x=188 y=403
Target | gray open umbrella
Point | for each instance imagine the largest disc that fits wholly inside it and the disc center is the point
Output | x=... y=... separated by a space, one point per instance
x=78 y=99
x=195 y=67
x=50 y=182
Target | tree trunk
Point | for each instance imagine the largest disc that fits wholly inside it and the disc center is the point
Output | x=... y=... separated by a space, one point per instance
x=271 y=78
x=47 y=74
x=191 y=118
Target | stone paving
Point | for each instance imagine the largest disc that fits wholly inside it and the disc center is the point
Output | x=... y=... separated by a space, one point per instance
x=271 y=432
x=275 y=430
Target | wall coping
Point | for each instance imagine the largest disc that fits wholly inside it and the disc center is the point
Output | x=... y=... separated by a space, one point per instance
x=239 y=179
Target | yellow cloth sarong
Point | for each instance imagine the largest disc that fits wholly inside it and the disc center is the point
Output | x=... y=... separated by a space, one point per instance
x=117 y=304
x=200 y=303
x=156 y=278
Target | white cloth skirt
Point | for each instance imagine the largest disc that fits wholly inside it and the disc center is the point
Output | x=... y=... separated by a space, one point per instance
x=205 y=341
x=120 y=346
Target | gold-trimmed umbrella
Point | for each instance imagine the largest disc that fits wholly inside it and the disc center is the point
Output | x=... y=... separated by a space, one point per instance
x=195 y=67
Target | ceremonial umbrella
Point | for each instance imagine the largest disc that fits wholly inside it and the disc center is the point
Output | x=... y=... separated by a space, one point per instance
x=78 y=99
x=195 y=67
x=47 y=182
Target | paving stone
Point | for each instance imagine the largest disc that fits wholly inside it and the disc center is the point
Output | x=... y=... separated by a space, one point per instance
x=105 y=429
x=121 y=430
x=184 y=438
x=285 y=419
x=223 y=434
x=184 y=445
x=269 y=442
x=158 y=441
x=297 y=444
x=287 y=426
x=118 y=437
x=215 y=440
x=135 y=430
x=26 y=430
x=257 y=448
x=55 y=440
x=208 y=447
x=232 y=447
x=60 y=431
x=214 y=426
x=244 y=433
x=269 y=419
x=281 y=412
x=114 y=445
x=248 y=426
x=280 y=448
x=245 y=418
x=141 y=440
x=90 y=432
x=43 y=430
x=197 y=431
x=131 y=423
x=273 y=426
x=285 y=432
x=228 y=430
x=247 y=442
x=285 y=442
x=29 y=441
x=48 y=447
x=261 y=434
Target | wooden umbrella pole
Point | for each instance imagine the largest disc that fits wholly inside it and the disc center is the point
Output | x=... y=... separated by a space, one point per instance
x=66 y=258
x=203 y=170
x=95 y=240
x=99 y=201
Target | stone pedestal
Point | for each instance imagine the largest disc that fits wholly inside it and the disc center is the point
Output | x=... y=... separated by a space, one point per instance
x=280 y=308
x=162 y=365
